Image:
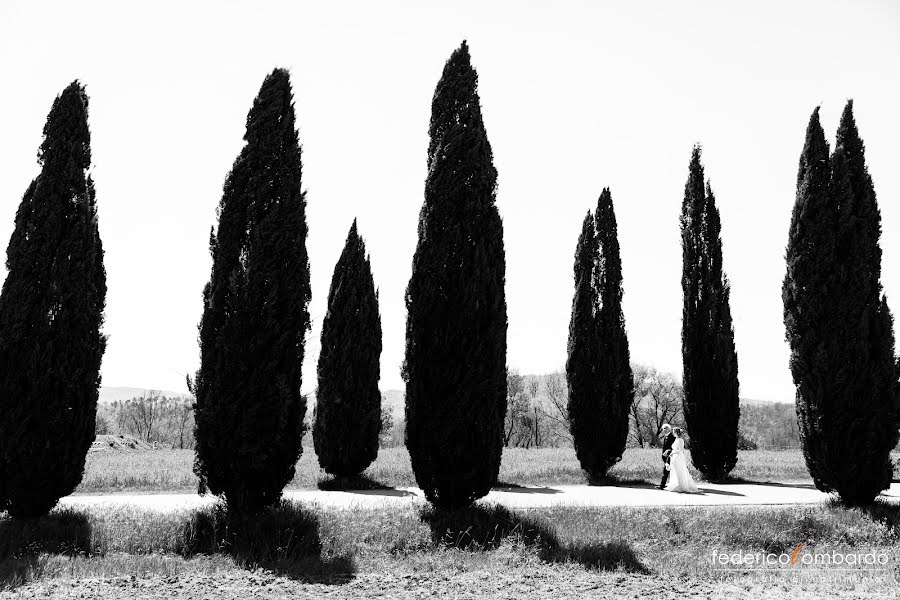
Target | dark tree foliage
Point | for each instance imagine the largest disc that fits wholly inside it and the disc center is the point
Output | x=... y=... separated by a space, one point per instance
x=583 y=346
x=711 y=409
x=837 y=320
x=455 y=366
x=51 y=312
x=249 y=411
x=601 y=388
x=348 y=402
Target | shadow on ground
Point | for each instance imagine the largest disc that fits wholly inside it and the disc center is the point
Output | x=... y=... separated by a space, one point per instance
x=626 y=482
x=515 y=488
x=360 y=484
x=742 y=481
x=718 y=492
x=886 y=513
x=284 y=540
x=384 y=492
x=481 y=528
x=22 y=541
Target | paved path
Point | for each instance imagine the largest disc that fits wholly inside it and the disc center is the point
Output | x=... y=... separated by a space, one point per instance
x=516 y=497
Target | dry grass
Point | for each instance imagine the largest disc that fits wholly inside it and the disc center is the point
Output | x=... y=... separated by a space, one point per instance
x=170 y=470
x=315 y=545
x=150 y=470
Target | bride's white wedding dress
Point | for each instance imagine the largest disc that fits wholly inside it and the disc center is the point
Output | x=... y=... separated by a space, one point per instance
x=680 y=479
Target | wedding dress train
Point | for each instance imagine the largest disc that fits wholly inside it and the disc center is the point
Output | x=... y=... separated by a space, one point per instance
x=680 y=479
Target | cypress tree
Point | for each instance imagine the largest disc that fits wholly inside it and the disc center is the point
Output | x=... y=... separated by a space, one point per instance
x=249 y=410
x=711 y=405
x=455 y=365
x=51 y=312
x=837 y=320
x=348 y=402
x=601 y=388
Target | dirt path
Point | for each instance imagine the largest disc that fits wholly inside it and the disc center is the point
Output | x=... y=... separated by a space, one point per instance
x=517 y=497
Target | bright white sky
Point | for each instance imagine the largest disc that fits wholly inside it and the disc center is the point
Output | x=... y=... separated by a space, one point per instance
x=575 y=96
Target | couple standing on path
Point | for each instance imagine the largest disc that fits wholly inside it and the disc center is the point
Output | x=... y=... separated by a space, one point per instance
x=676 y=477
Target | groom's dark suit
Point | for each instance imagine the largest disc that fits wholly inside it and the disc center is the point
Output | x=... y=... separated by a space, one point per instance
x=667 y=445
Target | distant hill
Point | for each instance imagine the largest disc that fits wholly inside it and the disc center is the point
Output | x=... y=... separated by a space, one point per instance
x=109 y=395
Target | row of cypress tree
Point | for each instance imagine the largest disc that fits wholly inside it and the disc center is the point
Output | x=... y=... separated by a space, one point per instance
x=838 y=325
x=601 y=389
x=837 y=321
x=249 y=409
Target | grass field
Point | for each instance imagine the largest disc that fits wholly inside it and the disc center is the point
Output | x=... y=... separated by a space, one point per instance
x=483 y=551
x=170 y=470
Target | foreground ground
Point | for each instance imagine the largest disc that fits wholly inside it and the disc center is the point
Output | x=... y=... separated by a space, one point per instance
x=171 y=470
x=413 y=551
x=109 y=541
x=514 y=582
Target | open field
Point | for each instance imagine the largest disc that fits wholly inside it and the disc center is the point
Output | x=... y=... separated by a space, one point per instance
x=170 y=470
x=410 y=552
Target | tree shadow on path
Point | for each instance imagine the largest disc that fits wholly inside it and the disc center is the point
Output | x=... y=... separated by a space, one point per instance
x=361 y=484
x=742 y=481
x=63 y=532
x=622 y=482
x=284 y=539
x=704 y=491
x=482 y=528
x=515 y=488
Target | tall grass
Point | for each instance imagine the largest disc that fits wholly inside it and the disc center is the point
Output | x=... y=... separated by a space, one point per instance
x=150 y=470
x=314 y=543
x=290 y=531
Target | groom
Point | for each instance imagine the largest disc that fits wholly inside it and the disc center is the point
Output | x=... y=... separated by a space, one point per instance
x=668 y=439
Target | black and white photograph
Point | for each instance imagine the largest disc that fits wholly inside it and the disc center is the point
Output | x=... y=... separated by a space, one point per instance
x=485 y=299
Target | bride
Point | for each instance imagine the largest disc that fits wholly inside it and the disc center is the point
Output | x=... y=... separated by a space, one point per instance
x=680 y=479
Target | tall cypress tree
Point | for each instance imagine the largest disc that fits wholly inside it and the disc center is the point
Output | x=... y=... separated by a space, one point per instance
x=837 y=320
x=51 y=312
x=711 y=405
x=249 y=410
x=601 y=388
x=348 y=402
x=455 y=366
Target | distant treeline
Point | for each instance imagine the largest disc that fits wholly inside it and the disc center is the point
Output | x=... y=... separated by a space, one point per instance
x=163 y=421
x=770 y=425
x=536 y=417
x=537 y=414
